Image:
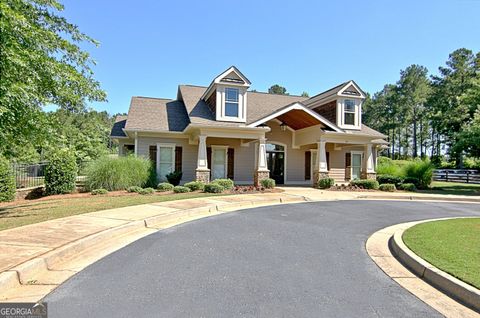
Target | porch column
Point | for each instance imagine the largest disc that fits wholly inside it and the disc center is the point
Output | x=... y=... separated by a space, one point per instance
x=136 y=144
x=202 y=172
x=369 y=164
x=320 y=169
x=261 y=169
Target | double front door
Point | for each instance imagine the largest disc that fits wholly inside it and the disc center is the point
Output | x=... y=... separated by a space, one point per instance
x=276 y=162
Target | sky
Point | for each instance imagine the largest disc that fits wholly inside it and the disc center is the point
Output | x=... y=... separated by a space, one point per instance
x=148 y=48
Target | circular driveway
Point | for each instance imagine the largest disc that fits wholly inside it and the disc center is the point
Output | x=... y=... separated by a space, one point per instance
x=299 y=260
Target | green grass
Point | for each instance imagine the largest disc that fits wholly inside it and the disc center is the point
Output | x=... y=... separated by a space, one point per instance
x=439 y=187
x=26 y=212
x=451 y=245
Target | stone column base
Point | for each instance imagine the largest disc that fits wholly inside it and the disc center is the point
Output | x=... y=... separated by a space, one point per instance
x=317 y=175
x=259 y=176
x=369 y=175
x=203 y=176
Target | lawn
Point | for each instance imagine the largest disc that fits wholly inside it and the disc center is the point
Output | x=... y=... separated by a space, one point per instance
x=33 y=211
x=451 y=245
x=439 y=187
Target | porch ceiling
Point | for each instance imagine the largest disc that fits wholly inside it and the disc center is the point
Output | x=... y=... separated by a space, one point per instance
x=298 y=119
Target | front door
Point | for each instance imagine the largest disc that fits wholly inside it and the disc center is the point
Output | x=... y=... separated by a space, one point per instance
x=276 y=162
x=356 y=165
x=219 y=164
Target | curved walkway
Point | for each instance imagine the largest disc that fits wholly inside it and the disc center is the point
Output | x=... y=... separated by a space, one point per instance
x=299 y=260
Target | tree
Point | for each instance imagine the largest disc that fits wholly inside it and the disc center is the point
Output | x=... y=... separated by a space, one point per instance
x=469 y=137
x=414 y=89
x=41 y=63
x=277 y=89
x=305 y=94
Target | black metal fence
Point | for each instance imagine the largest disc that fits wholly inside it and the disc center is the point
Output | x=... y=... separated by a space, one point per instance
x=29 y=175
x=33 y=175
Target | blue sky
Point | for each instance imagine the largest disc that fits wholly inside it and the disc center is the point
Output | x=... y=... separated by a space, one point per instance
x=149 y=47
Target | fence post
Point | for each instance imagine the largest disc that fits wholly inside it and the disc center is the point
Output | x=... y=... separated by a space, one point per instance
x=446 y=175
x=468 y=174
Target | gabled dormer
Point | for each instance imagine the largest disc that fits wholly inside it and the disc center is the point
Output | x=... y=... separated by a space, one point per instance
x=341 y=105
x=226 y=96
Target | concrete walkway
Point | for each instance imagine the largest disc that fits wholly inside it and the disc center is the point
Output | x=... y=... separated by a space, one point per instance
x=36 y=258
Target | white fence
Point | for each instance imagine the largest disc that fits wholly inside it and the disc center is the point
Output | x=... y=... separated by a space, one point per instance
x=457 y=175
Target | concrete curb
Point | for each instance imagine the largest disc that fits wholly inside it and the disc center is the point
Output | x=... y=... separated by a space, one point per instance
x=24 y=274
x=419 y=198
x=455 y=288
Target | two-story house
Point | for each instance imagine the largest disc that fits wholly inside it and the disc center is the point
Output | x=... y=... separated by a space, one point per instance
x=226 y=131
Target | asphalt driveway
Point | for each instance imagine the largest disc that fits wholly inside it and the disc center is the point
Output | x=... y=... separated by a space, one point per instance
x=301 y=260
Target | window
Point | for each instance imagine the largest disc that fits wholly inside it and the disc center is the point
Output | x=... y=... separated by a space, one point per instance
x=231 y=102
x=166 y=163
x=219 y=163
x=349 y=112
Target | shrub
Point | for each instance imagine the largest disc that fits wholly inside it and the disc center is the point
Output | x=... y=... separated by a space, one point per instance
x=365 y=183
x=118 y=173
x=388 y=178
x=174 y=177
x=408 y=187
x=388 y=187
x=388 y=166
x=99 y=191
x=213 y=188
x=146 y=191
x=421 y=170
x=325 y=183
x=227 y=184
x=195 y=185
x=165 y=186
x=132 y=189
x=61 y=172
x=7 y=181
x=268 y=183
x=152 y=177
x=181 y=189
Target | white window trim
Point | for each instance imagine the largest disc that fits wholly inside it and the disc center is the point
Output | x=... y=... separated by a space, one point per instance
x=225 y=149
x=351 y=162
x=165 y=145
x=242 y=103
x=232 y=102
x=285 y=149
x=341 y=113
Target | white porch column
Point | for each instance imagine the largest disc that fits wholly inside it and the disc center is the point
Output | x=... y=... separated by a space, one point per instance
x=136 y=144
x=321 y=164
x=369 y=159
x=261 y=169
x=202 y=172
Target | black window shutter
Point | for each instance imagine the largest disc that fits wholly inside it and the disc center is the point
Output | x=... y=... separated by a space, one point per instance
x=348 y=160
x=328 y=161
x=178 y=158
x=209 y=158
x=153 y=155
x=230 y=163
x=308 y=164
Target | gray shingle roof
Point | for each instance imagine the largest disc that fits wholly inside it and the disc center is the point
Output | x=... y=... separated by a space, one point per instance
x=117 y=129
x=156 y=114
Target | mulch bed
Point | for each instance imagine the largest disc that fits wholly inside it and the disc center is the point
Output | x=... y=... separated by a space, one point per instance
x=350 y=188
x=252 y=189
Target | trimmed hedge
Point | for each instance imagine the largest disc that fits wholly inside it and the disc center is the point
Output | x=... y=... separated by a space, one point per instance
x=195 y=185
x=7 y=181
x=165 y=186
x=99 y=191
x=227 y=184
x=408 y=187
x=389 y=179
x=174 y=177
x=213 y=188
x=388 y=187
x=146 y=191
x=181 y=189
x=365 y=183
x=118 y=173
x=133 y=189
x=61 y=172
x=268 y=183
x=325 y=183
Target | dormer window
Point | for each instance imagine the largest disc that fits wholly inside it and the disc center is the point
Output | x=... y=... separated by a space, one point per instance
x=349 y=112
x=231 y=102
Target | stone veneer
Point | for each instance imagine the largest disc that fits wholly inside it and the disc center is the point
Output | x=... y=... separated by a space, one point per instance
x=259 y=176
x=317 y=175
x=203 y=176
x=369 y=175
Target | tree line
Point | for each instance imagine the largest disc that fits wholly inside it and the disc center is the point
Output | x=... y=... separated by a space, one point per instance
x=431 y=115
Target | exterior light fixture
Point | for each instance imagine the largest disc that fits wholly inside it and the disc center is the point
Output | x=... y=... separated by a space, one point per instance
x=283 y=126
